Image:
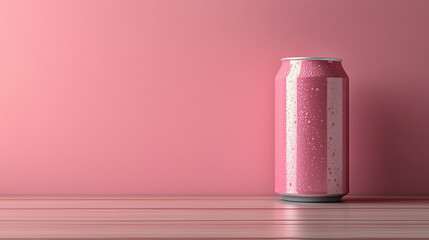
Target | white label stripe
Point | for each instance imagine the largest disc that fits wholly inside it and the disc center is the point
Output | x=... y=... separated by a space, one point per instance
x=335 y=135
x=291 y=126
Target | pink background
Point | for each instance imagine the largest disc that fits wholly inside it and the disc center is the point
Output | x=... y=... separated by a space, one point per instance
x=176 y=97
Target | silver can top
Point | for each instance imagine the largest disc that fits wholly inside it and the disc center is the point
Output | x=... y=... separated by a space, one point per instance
x=312 y=58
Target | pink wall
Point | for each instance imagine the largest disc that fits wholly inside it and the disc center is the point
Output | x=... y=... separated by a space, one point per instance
x=176 y=97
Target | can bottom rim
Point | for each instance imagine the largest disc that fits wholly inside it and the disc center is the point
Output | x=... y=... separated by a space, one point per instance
x=312 y=198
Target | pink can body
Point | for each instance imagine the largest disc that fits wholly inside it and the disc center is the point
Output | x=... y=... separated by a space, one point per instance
x=311 y=130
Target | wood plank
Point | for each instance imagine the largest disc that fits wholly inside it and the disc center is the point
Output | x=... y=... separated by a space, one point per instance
x=241 y=197
x=265 y=197
x=273 y=202
x=217 y=229
x=215 y=214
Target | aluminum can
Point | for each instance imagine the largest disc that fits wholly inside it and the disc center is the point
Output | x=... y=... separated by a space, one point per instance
x=311 y=130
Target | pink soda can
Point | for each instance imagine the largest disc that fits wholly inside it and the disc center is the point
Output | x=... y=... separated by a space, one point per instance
x=311 y=130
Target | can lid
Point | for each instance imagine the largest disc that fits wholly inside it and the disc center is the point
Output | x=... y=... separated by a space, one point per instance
x=312 y=58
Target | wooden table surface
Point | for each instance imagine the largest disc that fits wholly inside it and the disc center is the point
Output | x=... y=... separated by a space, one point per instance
x=212 y=217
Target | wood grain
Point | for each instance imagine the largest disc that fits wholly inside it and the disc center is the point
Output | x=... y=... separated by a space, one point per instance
x=217 y=217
